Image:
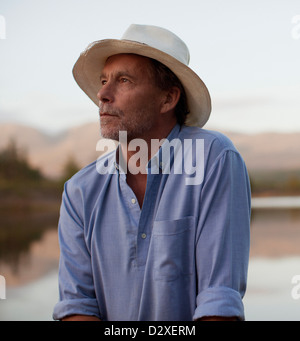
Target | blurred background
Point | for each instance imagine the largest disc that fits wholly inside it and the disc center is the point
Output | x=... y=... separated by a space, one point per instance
x=247 y=52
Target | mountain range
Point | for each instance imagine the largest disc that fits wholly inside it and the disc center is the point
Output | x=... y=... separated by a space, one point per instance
x=261 y=152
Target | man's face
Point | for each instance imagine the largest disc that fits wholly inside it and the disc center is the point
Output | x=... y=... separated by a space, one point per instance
x=128 y=98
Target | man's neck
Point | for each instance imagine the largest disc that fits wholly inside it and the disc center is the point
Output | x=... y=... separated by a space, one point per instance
x=136 y=154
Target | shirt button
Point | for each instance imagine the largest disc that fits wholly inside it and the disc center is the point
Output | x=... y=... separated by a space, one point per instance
x=133 y=200
x=143 y=235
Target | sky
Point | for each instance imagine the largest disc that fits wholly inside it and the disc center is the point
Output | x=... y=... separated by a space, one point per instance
x=246 y=51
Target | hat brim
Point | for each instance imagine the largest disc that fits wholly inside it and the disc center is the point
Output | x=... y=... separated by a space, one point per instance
x=88 y=68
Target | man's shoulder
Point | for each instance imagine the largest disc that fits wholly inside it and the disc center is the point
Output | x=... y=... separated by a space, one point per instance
x=212 y=139
x=89 y=174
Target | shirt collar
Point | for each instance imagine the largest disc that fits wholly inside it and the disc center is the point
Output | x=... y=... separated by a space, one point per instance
x=157 y=162
x=162 y=159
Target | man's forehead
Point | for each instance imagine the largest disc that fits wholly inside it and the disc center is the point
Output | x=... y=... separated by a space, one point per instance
x=128 y=58
x=125 y=62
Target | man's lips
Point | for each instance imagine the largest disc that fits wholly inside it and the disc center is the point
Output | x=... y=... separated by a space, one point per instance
x=106 y=114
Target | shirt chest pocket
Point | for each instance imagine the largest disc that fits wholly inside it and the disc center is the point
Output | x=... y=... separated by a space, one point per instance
x=173 y=246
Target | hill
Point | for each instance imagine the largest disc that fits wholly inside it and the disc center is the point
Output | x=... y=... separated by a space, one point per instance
x=51 y=153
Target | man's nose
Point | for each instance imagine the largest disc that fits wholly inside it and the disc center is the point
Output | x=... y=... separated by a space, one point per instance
x=105 y=94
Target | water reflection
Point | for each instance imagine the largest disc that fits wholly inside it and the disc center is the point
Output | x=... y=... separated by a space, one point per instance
x=19 y=229
x=275 y=232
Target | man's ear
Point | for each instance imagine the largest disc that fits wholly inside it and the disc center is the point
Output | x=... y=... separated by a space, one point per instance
x=170 y=100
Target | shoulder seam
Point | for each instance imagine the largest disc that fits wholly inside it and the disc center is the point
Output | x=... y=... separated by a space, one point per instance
x=221 y=155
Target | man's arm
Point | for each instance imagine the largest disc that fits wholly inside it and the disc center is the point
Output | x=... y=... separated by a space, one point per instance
x=81 y=318
x=218 y=318
x=76 y=285
x=222 y=249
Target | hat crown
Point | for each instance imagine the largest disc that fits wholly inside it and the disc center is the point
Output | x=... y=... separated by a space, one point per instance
x=159 y=38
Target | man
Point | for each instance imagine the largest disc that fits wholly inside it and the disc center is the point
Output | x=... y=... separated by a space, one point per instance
x=159 y=228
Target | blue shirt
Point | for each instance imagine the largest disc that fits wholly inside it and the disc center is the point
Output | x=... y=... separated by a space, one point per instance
x=183 y=256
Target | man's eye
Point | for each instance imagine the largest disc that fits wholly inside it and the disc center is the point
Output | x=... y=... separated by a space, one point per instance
x=103 y=82
x=124 y=80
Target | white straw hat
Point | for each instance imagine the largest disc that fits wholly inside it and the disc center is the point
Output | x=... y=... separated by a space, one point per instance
x=153 y=42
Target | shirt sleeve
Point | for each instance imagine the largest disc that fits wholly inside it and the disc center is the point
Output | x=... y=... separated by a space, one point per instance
x=222 y=245
x=76 y=287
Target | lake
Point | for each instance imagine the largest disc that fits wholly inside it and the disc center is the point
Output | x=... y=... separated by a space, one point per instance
x=29 y=261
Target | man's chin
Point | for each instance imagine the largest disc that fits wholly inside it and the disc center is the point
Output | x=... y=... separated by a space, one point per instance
x=109 y=133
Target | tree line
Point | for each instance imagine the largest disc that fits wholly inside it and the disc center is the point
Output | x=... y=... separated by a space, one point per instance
x=15 y=167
